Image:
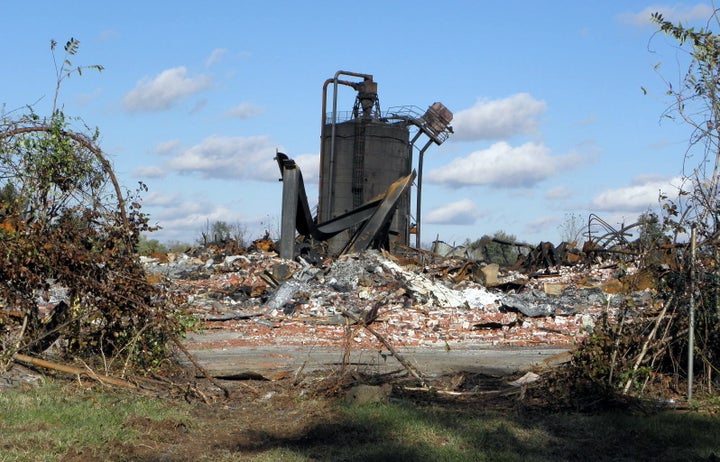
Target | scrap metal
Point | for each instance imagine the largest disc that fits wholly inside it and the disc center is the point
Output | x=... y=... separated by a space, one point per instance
x=373 y=217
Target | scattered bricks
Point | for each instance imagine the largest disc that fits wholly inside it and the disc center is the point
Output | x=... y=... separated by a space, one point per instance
x=415 y=304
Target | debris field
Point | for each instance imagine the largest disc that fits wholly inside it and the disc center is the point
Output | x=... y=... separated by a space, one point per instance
x=418 y=301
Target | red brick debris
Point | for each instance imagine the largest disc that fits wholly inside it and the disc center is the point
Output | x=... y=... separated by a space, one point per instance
x=266 y=300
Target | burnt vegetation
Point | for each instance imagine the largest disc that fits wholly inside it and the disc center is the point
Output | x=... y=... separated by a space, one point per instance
x=673 y=347
x=69 y=272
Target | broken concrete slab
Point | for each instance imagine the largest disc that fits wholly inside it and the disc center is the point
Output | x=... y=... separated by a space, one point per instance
x=275 y=361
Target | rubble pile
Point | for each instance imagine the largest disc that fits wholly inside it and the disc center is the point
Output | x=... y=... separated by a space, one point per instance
x=265 y=300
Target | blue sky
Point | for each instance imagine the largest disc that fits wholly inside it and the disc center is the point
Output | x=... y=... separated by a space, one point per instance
x=550 y=118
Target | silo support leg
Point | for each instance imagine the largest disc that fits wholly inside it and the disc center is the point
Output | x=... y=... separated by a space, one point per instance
x=291 y=181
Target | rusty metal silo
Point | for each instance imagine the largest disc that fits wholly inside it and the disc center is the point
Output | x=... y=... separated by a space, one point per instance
x=361 y=155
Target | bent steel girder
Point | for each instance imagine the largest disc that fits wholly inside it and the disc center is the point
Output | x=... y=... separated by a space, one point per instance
x=300 y=213
x=293 y=181
x=374 y=231
x=347 y=220
x=612 y=237
x=375 y=215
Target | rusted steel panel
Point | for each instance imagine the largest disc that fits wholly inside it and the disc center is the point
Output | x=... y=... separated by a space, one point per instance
x=376 y=227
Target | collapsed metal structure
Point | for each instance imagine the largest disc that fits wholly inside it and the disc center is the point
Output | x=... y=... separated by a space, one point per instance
x=366 y=170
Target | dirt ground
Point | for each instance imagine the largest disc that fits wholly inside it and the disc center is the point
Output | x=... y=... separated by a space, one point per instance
x=261 y=415
x=297 y=417
x=247 y=422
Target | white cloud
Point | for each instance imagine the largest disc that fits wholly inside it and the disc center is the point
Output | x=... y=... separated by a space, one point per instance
x=165 y=90
x=186 y=220
x=461 y=212
x=154 y=198
x=678 y=13
x=168 y=147
x=559 y=192
x=636 y=198
x=195 y=215
x=229 y=158
x=87 y=98
x=542 y=224
x=150 y=171
x=309 y=166
x=504 y=118
x=504 y=166
x=198 y=106
x=215 y=56
x=243 y=111
x=107 y=34
x=644 y=178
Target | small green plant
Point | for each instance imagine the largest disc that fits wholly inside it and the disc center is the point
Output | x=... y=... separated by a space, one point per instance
x=66 y=67
x=148 y=247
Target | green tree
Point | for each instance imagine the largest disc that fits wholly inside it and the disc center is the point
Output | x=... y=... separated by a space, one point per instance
x=498 y=248
x=222 y=233
x=651 y=230
x=148 y=247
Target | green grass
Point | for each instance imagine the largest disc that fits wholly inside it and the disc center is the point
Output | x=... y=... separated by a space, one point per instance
x=68 y=423
x=408 y=432
x=45 y=423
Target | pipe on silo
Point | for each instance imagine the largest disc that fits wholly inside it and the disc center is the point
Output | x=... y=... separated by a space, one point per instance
x=335 y=81
x=418 y=211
